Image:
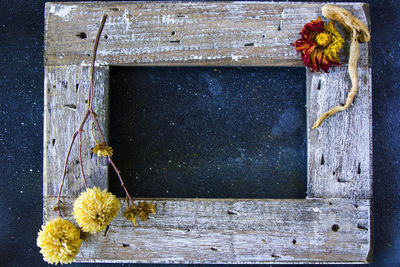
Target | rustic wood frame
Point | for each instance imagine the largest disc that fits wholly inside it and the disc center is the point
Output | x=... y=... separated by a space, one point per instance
x=332 y=225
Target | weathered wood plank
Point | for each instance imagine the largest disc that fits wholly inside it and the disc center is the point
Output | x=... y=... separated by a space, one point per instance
x=340 y=150
x=66 y=95
x=235 y=231
x=184 y=33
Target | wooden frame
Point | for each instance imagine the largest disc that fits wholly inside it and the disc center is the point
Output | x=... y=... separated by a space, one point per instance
x=332 y=225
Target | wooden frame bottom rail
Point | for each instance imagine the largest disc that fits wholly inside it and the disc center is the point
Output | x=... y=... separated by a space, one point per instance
x=235 y=231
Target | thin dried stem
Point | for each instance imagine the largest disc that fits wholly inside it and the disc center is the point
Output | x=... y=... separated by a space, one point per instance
x=67 y=158
x=64 y=173
x=92 y=129
x=112 y=162
x=130 y=201
x=80 y=159
x=96 y=44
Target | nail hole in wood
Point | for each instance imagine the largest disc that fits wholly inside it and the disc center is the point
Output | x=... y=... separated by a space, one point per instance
x=232 y=212
x=82 y=35
x=330 y=203
x=106 y=36
x=335 y=227
x=106 y=231
x=91 y=155
x=86 y=101
x=175 y=41
x=180 y=16
x=70 y=106
x=294 y=241
x=88 y=54
x=249 y=44
x=53 y=142
x=322 y=160
x=214 y=249
x=275 y=256
x=77 y=87
x=359 y=168
x=125 y=245
x=188 y=229
x=173 y=33
x=76 y=161
x=280 y=26
x=340 y=180
x=319 y=85
x=333 y=173
x=362 y=227
x=263 y=36
x=356 y=206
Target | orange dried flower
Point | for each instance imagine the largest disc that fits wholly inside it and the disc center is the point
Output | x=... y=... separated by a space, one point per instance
x=319 y=45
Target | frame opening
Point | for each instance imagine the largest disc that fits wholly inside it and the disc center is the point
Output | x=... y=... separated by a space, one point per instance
x=209 y=132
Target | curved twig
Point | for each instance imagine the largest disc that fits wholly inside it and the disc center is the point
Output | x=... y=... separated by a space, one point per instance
x=358 y=33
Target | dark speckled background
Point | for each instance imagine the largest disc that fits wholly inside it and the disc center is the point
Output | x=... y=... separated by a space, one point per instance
x=209 y=132
x=21 y=127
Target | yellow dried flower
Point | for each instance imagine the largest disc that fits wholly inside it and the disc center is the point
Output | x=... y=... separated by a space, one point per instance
x=95 y=209
x=59 y=241
x=142 y=210
x=102 y=150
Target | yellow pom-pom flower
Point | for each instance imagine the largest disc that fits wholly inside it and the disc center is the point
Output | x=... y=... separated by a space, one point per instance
x=59 y=241
x=95 y=209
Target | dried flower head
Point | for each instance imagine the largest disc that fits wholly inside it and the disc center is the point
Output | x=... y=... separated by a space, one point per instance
x=319 y=45
x=102 y=150
x=59 y=241
x=142 y=210
x=95 y=209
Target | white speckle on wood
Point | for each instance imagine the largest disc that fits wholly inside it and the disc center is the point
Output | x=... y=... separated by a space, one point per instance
x=237 y=57
x=62 y=11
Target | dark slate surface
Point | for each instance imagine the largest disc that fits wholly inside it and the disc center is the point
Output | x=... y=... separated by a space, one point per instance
x=21 y=109
x=209 y=132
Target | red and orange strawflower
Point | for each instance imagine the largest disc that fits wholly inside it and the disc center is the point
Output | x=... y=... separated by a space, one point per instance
x=319 y=45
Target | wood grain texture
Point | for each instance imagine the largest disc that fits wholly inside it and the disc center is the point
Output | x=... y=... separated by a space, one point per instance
x=184 y=33
x=66 y=93
x=235 y=231
x=340 y=150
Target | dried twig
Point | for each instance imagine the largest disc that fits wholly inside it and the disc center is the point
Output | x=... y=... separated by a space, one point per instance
x=92 y=114
x=358 y=33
